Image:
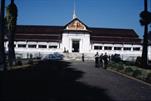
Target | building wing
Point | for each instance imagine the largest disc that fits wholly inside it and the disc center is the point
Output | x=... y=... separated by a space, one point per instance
x=110 y=35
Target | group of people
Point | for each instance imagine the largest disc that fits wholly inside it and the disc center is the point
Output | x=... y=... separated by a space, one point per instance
x=101 y=60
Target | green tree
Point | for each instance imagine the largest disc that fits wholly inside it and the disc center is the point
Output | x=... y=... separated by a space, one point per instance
x=145 y=20
x=11 y=18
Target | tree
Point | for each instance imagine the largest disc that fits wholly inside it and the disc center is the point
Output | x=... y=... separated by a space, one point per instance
x=11 y=18
x=145 y=20
x=2 y=49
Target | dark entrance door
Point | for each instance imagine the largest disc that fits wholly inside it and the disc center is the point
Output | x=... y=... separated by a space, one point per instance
x=75 y=46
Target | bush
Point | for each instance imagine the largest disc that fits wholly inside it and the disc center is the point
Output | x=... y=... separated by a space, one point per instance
x=138 y=61
x=116 y=58
x=30 y=62
x=19 y=63
x=148 y=79
x=137 y=73
x=120 y=68
x=128 y=71
x=38 y=58
x=129 y=63
x=114 y=65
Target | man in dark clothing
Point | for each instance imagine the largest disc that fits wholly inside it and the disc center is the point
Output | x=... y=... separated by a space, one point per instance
x=105 y=58
x=97 y=59
x=101 y=60
x=83 y=57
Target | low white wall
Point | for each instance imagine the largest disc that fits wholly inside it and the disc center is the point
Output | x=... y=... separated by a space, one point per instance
x=90 y=52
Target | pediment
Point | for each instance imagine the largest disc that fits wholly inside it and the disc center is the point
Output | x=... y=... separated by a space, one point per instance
x=76 y=25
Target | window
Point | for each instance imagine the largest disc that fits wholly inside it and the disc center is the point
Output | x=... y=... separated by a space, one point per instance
x=21 y=45
x=52 y=46
x=8 y=45
x=127 y=48
x=98 y=47
x=31 y=46
x=136 y=49
x=42 y=46
x=117 y=48
x=107 y=48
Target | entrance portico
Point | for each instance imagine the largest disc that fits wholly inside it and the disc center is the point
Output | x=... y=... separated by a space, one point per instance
x=76 y=37
x=76 y=42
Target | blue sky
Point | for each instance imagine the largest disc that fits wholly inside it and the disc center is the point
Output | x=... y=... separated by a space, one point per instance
x=94 y=13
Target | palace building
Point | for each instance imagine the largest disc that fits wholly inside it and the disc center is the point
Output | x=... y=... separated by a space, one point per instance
x=76 y=37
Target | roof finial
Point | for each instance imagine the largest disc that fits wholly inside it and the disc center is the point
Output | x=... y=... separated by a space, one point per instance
x=74 y=11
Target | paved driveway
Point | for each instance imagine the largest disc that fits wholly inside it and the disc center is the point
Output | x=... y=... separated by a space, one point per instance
x=117 y=87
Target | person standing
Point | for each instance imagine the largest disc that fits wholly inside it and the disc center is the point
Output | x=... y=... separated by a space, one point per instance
x=83 y=57
x=97 y=59
x=101 y=60
x=105 y=58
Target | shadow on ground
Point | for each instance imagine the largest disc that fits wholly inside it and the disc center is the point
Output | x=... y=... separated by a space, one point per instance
x=48 y=81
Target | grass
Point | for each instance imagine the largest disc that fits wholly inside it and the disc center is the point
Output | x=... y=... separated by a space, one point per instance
x=132 y=70
x=24 y=63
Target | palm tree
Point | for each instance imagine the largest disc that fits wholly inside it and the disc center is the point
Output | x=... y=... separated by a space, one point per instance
x=2 y=49
x=11 y=17
x=145 y=20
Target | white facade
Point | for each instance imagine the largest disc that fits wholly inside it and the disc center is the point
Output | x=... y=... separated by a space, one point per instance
x=76 y=39
x=126 y=51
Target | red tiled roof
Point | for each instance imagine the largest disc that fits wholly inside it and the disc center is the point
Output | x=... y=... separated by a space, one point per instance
x=113 y=32
x=54 y=33
x=110 y=35
x=36 y=29
x=39 y=33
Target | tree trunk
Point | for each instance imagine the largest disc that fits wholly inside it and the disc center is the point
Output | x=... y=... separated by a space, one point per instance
x=11 y=15
x=11 y=51
x=145 y=41
x=145 y=47
x=2 y=49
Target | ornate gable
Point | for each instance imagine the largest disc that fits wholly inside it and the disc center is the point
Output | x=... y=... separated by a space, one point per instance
x=76 y=24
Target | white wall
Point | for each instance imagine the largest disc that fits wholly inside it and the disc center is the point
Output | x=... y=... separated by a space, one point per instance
x=36 y=52
x=125 y=54
x=85 y=47
x=84 y=41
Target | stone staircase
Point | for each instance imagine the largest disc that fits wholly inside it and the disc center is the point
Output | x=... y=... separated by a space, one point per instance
x=78 y=56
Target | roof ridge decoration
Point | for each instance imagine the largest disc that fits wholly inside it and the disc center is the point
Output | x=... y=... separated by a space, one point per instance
x=76 y=24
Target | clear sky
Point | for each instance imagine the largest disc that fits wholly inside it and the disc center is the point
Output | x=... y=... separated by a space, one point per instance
x=94 y=13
